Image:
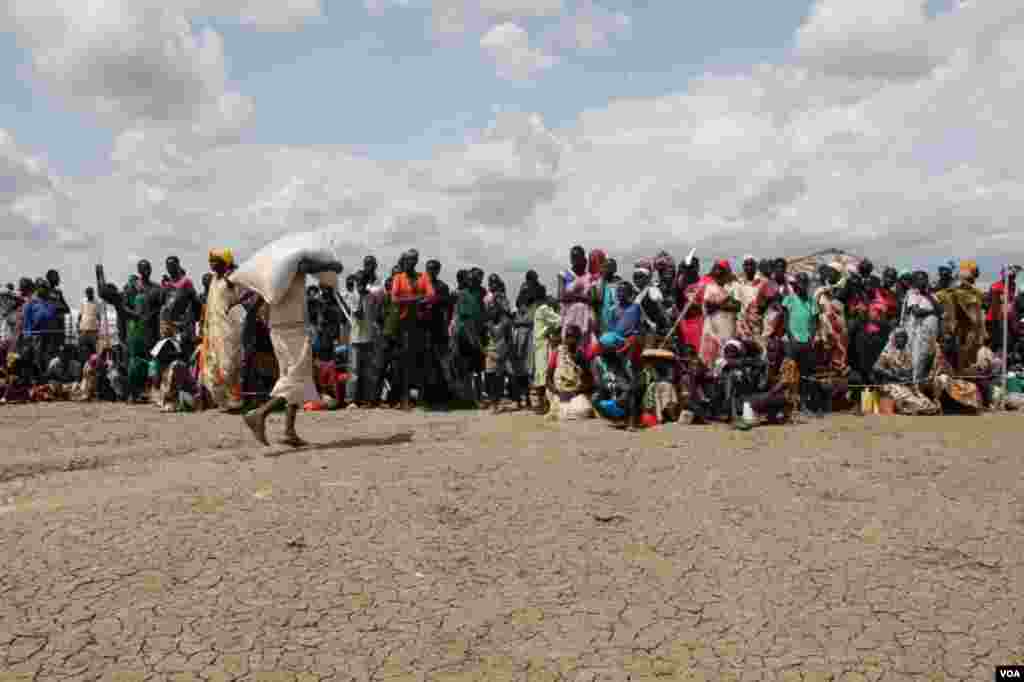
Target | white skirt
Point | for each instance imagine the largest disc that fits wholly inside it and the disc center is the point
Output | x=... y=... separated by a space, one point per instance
x=294 y=355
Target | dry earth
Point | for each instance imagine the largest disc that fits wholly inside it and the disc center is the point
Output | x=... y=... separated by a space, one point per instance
x=463 y=547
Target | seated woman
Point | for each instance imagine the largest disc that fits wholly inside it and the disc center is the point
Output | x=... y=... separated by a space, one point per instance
x=694 y=385
x=19 y=379
x=568 y=383
x=614 y=380
x=86 y=389
x=896 y=365
x=781 y=395
x=659 y=398
x=987 y=369
x=948 y=391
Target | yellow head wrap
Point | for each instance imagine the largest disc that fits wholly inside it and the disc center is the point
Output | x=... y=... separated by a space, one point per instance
x=968 y=268
x=222 y=256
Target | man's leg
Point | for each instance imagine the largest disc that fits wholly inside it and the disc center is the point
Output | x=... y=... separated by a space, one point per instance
x=291 y=437
x=257 y=419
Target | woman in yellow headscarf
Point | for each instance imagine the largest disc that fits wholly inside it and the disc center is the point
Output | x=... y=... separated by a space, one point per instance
x=221 y=352
x=969 y=323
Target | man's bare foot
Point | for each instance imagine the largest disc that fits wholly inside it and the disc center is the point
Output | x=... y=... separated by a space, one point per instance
x=258 y=425
x=293 y=440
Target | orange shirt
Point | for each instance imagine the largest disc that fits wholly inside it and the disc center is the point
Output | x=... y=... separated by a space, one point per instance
x=401 y=287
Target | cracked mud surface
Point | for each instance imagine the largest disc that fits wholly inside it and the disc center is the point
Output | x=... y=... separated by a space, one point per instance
x=463 y=547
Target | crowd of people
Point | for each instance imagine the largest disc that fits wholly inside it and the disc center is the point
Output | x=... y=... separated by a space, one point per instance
x=757 y=343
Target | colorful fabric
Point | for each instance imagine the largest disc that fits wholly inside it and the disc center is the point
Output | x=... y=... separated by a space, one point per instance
x=718 y=326
x=577 y=309
x=545 y=319
x=568 y=377
x=221 y=350
x=223 y=256
x=744 y=292
x=754 y=324
x=832 y=334
x=969 y=324
x=403 y=287
x=959 y=390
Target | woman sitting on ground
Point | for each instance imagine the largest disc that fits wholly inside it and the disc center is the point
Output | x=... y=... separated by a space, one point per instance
x=781 y=397
x=948 y=391
x=896 y=365
x=614 y=396
x=568 y=383
x=659 y=398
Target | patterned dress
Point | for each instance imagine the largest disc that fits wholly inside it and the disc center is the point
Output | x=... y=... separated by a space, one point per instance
x=719 y=326
x=969 y=324
x=960 y=390
x=833 y=335
x=909 y=400
x=221 y=352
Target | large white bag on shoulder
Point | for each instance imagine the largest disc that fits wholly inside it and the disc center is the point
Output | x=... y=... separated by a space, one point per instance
x=270 y=270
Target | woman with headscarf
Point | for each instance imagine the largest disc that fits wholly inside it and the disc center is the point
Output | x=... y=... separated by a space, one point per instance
x=781 y=384
x=614 y=380
x=719 y=312
x=922 y=323
x=969 y=324
x=665 y=269
x=832 y=334
x=568 y=384
x=962 y=393
x=895 y=365
x=221 y=352
x=690 y=302
x=605 y=292
x=751 y=327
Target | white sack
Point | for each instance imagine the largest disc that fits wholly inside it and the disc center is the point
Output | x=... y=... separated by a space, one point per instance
x=270 y=271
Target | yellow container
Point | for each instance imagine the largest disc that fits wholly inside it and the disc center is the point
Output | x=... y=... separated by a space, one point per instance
x=869 y=401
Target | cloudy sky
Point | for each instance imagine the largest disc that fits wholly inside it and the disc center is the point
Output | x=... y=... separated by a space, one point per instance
x=500 y=132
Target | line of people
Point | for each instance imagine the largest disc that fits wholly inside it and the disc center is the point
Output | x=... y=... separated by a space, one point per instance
x=671 y=343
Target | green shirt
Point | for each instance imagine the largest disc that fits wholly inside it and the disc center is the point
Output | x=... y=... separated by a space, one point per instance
x=802 y=317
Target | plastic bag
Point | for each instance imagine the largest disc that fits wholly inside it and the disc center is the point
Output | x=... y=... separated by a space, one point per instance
x=270 y=271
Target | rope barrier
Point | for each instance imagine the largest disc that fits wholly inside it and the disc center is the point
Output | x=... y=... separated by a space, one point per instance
x=896 y=383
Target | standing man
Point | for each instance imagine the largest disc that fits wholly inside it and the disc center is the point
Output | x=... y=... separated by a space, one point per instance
x=89 y=317
x=801 y=325
x=294 y=353
x=409 y=290
x=362 y=386
x=54 y=341
x=40 y=314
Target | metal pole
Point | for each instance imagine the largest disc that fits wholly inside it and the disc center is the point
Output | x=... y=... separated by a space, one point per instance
x=1006 y=323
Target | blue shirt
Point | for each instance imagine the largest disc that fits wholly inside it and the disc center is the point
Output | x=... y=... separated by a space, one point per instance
x=39 y=315
x=609 y=306
x=628 y=323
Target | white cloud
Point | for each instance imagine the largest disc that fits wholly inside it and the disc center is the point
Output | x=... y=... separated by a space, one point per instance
x=782 y=159
x=509 y=46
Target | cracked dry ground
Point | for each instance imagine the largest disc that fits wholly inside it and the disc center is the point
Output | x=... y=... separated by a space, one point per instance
x=142 y=546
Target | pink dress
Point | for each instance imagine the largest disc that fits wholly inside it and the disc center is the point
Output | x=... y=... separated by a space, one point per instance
x=719 y=326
